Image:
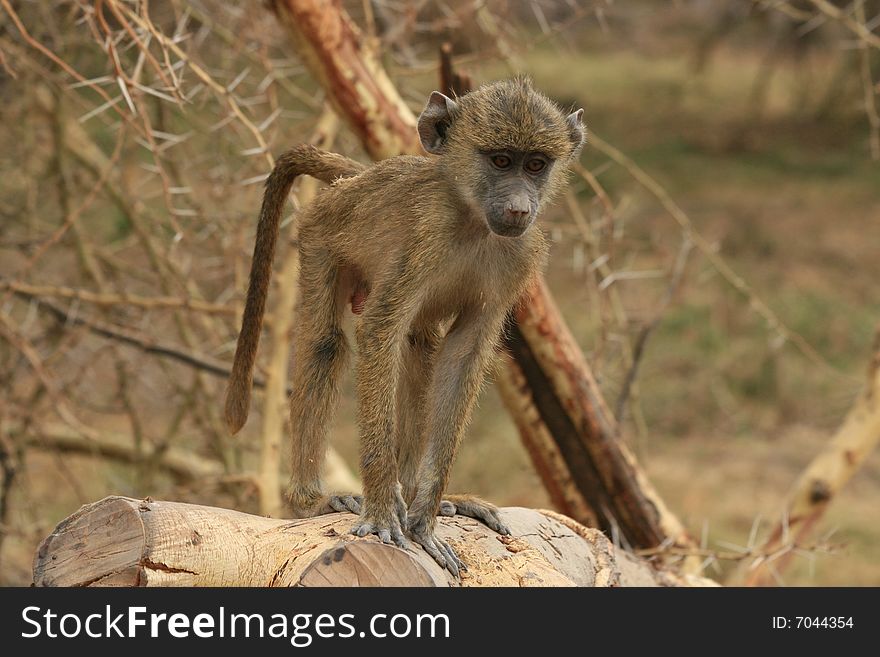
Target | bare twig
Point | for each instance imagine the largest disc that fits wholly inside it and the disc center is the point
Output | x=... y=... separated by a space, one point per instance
x=184 y=466
x=109 y=300
x=858 y=27
x=9 y=333
x=146 y=344
x=641 y=340
x=868 y=88
x=720 y=265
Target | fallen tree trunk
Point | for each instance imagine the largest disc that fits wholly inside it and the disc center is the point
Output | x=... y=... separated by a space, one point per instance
x=120 y=541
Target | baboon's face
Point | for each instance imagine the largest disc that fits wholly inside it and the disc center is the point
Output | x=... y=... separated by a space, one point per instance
x=509 y=188
x=505 y=148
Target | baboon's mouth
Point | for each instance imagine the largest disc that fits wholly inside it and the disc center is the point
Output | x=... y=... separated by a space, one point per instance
x=509 y=229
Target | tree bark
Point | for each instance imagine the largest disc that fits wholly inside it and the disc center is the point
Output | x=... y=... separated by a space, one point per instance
x=120 y=541
x=341 y=59
x=557 y=386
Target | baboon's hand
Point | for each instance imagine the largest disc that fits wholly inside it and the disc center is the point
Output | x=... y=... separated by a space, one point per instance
x=387 y=525
x=474 y=507
x=422 y=532
x=388 y=529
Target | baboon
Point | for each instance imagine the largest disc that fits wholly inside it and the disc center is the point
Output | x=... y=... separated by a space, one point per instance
x=431 y=253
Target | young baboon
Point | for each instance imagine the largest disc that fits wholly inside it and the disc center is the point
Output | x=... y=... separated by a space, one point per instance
x=432 y=253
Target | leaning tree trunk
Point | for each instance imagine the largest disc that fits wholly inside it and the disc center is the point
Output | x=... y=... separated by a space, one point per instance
x=548 y=386
x=821 y=481
x=120 y=541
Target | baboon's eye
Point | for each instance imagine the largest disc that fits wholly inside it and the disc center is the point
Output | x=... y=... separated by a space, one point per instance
x=535 y=165
x=501 y=161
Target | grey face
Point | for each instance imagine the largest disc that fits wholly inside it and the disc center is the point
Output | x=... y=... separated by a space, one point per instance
x=512 y=183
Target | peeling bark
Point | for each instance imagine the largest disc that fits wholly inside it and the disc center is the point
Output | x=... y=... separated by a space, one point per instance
x=339 y=56
x=561 y=389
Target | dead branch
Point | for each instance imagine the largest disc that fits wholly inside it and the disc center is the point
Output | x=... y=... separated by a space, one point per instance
x=357 y=86
x=452 y=81
x=110 y=300
x=641 y=340
x=182 y=465
x=774 y=323
x=145 y=343
x=822 y=480
x=868 y=88
x=569 y=403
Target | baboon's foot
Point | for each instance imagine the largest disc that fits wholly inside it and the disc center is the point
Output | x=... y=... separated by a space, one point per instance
x=343 y=502
x=474 y=507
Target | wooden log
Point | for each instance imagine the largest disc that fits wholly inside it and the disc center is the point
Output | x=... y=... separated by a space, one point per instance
x=120 y=541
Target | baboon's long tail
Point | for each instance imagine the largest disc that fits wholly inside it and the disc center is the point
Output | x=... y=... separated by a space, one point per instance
x=300 y=160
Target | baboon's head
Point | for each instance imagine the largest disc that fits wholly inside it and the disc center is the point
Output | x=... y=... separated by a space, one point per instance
x=505 y=147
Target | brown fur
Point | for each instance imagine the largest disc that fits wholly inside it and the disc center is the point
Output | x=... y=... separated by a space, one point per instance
x=408 y=239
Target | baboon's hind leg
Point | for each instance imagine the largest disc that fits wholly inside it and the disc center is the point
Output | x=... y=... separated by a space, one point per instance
x=320 y=354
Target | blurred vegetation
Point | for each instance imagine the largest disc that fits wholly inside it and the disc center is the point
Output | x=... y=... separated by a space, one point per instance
x=753 y=122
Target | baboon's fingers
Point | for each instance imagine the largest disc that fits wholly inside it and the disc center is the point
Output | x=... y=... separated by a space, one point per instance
x=343 y=503
x=400 y=539
x=433 y=551
x=440 y=551
x=363 y=529
x=451 y=556
x=492 y=521
x=387 y=532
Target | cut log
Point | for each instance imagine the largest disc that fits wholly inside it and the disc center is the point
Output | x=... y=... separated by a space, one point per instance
x=120 y=541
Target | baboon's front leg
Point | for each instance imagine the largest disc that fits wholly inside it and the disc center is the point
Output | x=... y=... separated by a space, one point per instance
x=417 y=361
x=458 y=373
x=380 y=337
x=417 y=364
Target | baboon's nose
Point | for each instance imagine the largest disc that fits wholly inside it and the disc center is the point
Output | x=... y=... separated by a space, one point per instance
x=516 y=214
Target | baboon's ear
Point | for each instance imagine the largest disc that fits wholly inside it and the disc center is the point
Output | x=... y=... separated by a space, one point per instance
x=576 y=130
x=435 y=120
